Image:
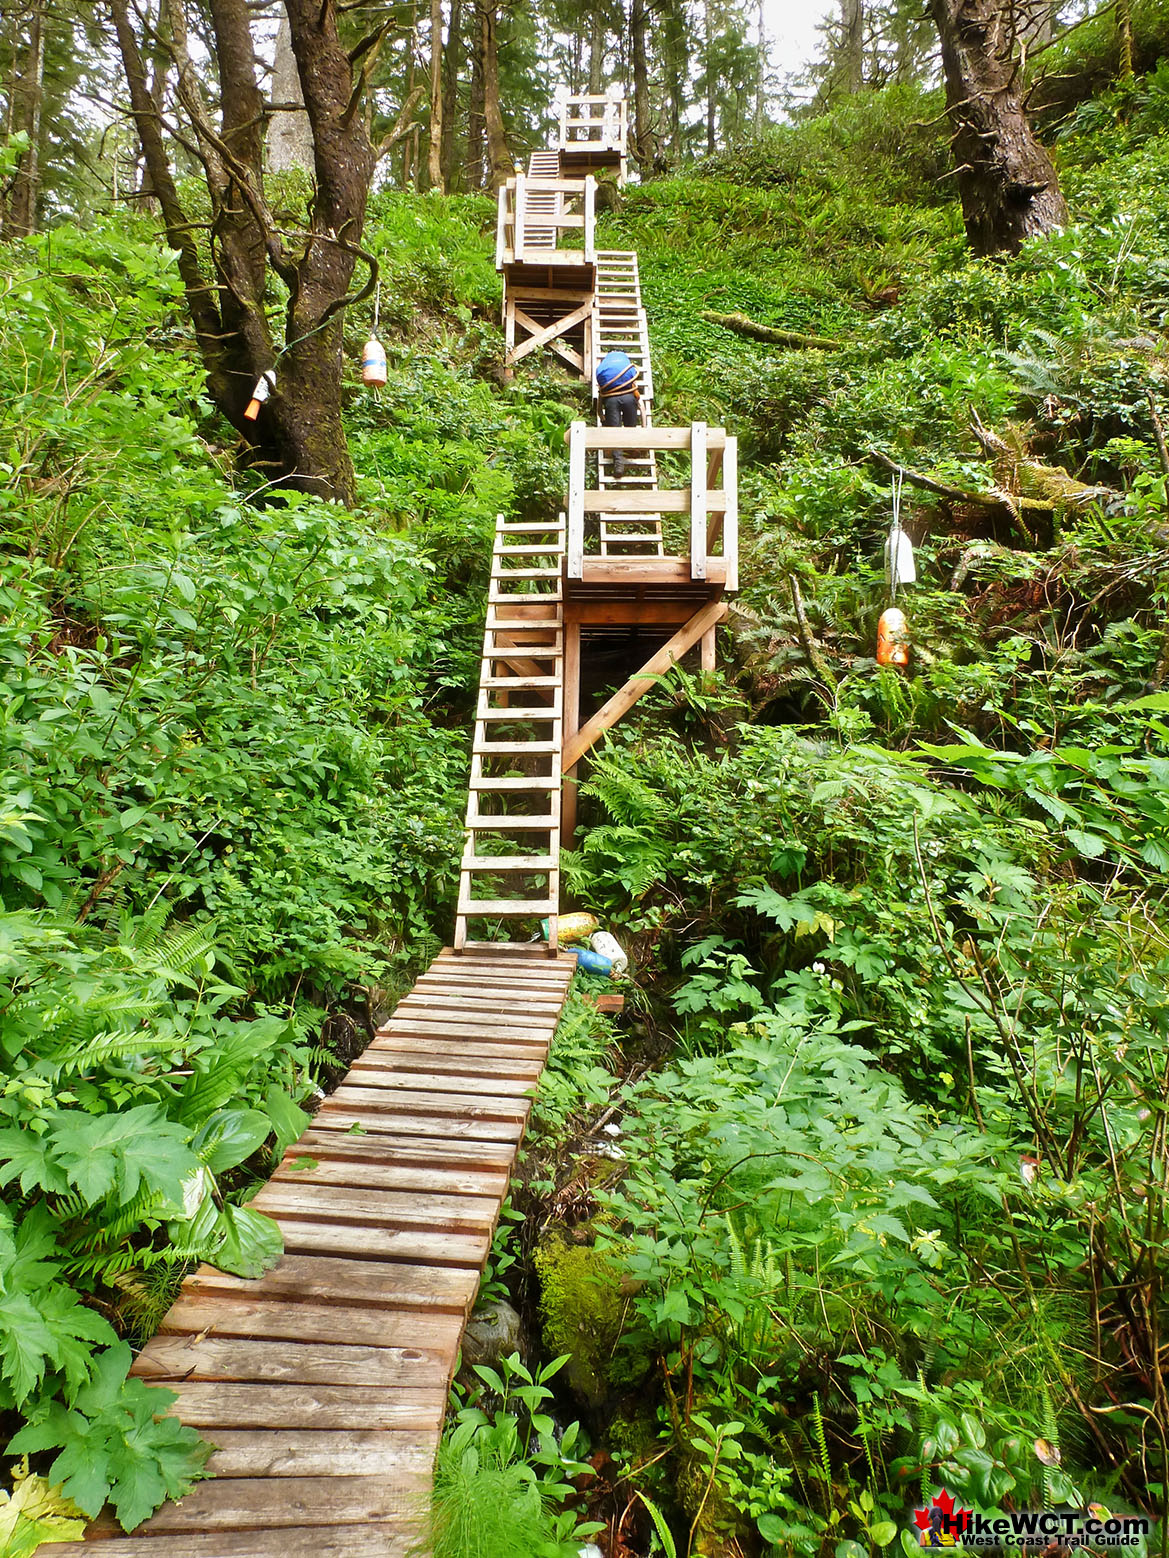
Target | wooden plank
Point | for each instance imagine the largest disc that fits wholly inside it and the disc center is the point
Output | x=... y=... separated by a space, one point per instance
x=635 y=439
x=406 y=1150
x=366 y=1242
x=220 y=1404
x=393 y=1080
x=400 y=1455
x=476 y=1107
x=379 y=1284
x=523 y=1011
x=538 y=971
x=307 y=1363
x=345 y=1116
x=624 y=699
x=378 y=1208
x=390 y=1539
x=698 y=500
x=220 y=1314
x=439 y=1024
x=669 y=500
x=533 y=1051
x=237 y=1503
x=574 y=550
x=330 y=1169
x=569 y=793
x=545 y=335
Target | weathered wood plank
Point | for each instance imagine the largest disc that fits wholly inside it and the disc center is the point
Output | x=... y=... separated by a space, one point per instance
x=345 y=1115
x=495 y=1086
x=383 y=1285
x=390 y=1539
x=388 y=1147
x=227 y=1314
x=531 y=1050
x=406 y=1055
x=304 y=1236
x=244 y=1359
x=378 y=1208
x=219 y=1404
x=446 y=1026
x=519 y=1013
x=439 y=1107
x=237 y=1503
x=393 y=1175
x=404 y=1456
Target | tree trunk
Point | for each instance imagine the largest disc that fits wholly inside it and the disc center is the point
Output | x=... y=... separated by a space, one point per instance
x=642 y=138
x=299 y=439
x=434 y=152
x=1006 y=179
x=290 y=138
x=596 y=49
x=450 y=91
x=476 y=123
x=498 y=155
x=676 y=68
x=29 y=93
x=708 y=39
x=1124 y=36
x=852 y=44
x=761 y=79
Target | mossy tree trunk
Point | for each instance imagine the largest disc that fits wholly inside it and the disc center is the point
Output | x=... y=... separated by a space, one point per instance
x=1006 y=179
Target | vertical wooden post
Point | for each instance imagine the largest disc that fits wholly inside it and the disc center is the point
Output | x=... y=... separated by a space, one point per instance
x=590 y=227
x=731 y=517
x=698 y=500
x=708 y=649
x=571 y=724
x=506 y=193
x=509 y=331
x=576 y=486
x=521 y=196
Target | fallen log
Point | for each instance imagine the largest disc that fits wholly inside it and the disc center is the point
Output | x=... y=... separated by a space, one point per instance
x=741 y=325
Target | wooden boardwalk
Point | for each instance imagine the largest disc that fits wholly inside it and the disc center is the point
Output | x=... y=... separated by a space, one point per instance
x=323 y=1384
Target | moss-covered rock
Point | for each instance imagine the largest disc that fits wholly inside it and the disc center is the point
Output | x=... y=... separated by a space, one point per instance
x=583 y=1309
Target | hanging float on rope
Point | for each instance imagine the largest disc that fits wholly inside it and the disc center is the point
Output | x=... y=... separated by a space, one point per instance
x=893 y=638
x=264 y=387
x=900 y=568
x=373 y=362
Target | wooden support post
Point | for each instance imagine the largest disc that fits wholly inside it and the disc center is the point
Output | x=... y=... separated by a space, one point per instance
x=571 y=719
x=576 y=497
x=521 y=196
x=709 y=659
x=698 y=500
x=637 y=686
x=545 y=335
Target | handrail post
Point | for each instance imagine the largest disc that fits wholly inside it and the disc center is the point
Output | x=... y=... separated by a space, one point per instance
x=698 y=500
x=590 y=229
x=731 y=516
x=520 y=197
x=576 y=486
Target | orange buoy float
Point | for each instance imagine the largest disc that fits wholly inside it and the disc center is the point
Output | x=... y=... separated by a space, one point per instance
x=264 y=387
x=373 y=362
x=893 y=638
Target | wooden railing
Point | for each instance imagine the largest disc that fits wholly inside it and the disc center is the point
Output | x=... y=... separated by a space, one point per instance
x=533 y=214
x=713 y=509
x=594 y=121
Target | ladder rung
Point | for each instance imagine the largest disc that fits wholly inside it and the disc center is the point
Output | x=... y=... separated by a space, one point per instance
x=629 y=540
x=529 y=530
x=512 y=824
x=509 y=862
x=490 y=908
x=517 y=683
x=514 y=748
x=544 y=712
x=525 y=573
x=539 y=782
x=522 y=625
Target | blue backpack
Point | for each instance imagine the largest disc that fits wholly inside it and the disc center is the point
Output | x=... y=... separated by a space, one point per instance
x=615 y=374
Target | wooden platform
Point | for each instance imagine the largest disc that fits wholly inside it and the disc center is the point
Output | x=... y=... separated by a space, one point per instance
x=323 y=1384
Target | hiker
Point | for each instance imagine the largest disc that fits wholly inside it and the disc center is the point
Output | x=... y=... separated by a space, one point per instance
x=620 y=400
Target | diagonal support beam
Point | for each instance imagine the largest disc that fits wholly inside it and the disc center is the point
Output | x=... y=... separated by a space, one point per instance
x=546 y=335
x=624 y=699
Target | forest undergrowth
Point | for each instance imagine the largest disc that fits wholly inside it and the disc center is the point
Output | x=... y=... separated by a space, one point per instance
x=887 y=1207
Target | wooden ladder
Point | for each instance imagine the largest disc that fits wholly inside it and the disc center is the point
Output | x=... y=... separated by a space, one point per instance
x=511 y=858
x=620 y=326
x=541 y=204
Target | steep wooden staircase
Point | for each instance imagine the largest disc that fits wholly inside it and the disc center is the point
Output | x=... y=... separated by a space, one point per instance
x=620 y=326
x=511 y=860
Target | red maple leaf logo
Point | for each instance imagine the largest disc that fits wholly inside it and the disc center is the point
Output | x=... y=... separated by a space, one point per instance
x=952 y=1522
